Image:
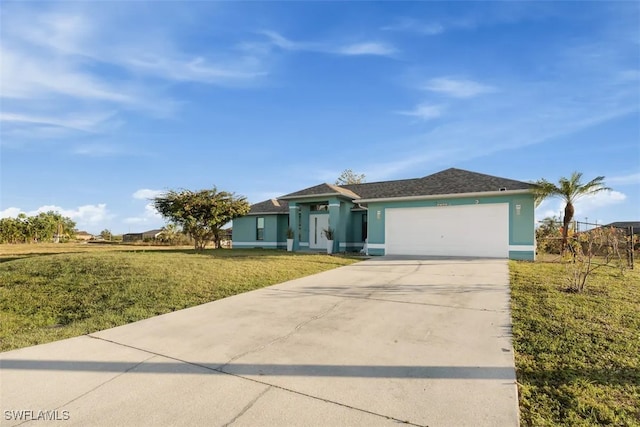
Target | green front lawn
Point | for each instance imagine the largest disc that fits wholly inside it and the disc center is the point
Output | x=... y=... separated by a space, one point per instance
x=577 y=355
x=46 y=296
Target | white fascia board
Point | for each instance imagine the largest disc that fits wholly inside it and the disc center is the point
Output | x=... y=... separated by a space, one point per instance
x=314 y=196
x=446 y=196
x=266 y=213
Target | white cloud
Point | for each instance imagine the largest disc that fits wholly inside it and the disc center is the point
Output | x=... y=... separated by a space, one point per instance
x=28 y=74
x=370 y=48
x=584 y=207
x=53 y=62
x=10 y=212
x=197 y=69
x=457 y=88
x=424 y=111
x=85 y=122
x=632 y=178
x=86 y=214
x=284 y=43
x=83 y=215
x=414 y=26
x=599 y=200
x=149 y=216
x=98 y=150
x=145 y=194
x=354 y=49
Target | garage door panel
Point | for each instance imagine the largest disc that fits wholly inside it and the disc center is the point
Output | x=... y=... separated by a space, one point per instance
x=470 y=230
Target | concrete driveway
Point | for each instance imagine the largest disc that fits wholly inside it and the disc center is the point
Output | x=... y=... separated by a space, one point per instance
x=380 y=342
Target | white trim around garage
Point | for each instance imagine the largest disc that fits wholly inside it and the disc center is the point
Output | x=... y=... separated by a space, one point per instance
x=522 y=248
x=375 y=246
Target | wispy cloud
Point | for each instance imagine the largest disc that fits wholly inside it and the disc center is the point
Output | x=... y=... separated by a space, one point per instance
x=371 y=48
x=457 y=88
x=94 y=149
x=198 y=69
x=65 y=70
x=630 y=179
x=348 y=49
x=424 y=111
x=414 y=26
x=586 y=206
x=81 y=122
x=146 y=194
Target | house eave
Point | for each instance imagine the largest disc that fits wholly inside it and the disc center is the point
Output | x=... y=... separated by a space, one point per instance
x=445 y=196
x=316 y=196
x=266 y=213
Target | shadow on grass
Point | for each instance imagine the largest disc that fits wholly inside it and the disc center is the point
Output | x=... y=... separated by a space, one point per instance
x=34 y=255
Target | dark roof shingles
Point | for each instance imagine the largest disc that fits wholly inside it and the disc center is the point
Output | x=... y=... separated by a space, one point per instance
x=450 y=181
x=270 y=206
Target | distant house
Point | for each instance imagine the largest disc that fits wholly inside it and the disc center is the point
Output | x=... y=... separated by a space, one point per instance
x=84 y=236
x=139 y=237
x=626 y=225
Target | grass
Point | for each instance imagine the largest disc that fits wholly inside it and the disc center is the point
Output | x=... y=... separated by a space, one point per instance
x=51 y=292
x=577 y=354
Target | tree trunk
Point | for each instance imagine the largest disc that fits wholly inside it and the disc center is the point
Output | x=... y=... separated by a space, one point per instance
x=568 y=216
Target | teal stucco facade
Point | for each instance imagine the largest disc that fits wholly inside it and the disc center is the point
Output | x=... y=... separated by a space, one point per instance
x=466 y=213
x=245 y=232
x=521 y=220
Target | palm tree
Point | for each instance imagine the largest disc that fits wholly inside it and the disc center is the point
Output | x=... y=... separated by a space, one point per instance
x=569 y=190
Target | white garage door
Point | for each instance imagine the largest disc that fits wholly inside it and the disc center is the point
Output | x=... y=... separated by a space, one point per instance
x=470 y=230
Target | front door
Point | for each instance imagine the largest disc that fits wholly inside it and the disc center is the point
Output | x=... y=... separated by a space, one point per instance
x=317 y=223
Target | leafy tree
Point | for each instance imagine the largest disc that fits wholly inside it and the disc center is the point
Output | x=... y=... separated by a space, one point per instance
x=348 y=177
x=569 y=189
x=170 y=234
x=548 y=235
x=44 y=227
x=201 y=214
x=106 y=234
x=11 y=231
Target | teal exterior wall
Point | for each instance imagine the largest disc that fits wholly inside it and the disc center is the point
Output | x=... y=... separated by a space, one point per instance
x=347 y=223
x=521 y=225
x=275 y=232
x=355 y=238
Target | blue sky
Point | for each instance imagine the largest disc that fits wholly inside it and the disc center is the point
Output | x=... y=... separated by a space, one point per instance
x=105 y=104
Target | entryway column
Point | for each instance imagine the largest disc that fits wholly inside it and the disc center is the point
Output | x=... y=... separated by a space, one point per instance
x=334 y=222
x=294 y=225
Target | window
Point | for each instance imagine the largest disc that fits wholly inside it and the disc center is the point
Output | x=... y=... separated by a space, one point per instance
x=260 y=228
x=364 y=227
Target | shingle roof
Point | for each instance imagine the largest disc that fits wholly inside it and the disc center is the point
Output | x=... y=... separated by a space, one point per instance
x=626 y=224
x=322 y=189
x=449 y=181
x=270 y=206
